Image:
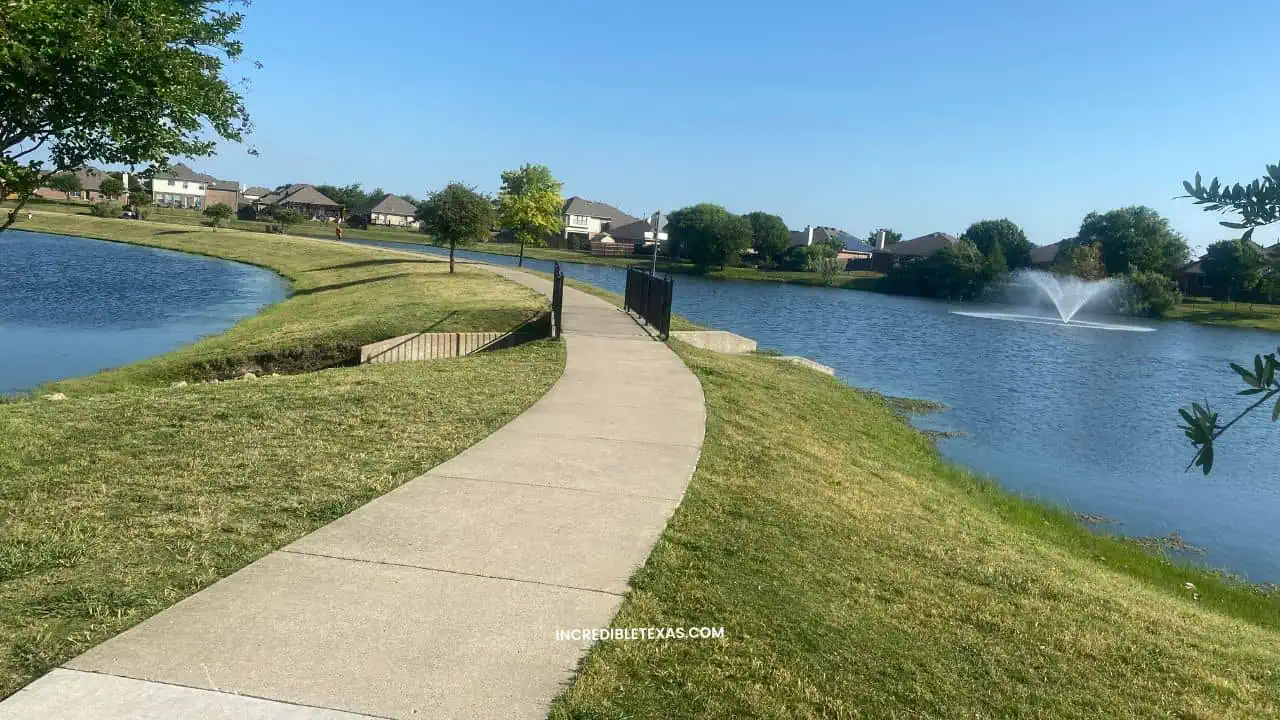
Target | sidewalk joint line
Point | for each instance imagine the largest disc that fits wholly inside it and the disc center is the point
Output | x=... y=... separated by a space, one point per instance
x=451 y=572
x=610 y=493
x=357 y=713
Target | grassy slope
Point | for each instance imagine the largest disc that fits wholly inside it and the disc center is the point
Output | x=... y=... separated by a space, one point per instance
x=343 y=295
x=858 y=575
x=1240 y=315
x=131 y=495
x=194 y=218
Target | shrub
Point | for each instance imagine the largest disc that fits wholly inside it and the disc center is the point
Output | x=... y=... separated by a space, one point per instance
x=828 y=266
x=1152 y=294
x=218 y=214
x=106 y=209
x=959 y=271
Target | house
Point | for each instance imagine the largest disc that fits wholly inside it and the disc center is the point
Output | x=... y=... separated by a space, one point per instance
x=182 y=187
x=251 y=195
x=90 y=182
x=585 y=219
x=921 y=247
x=1190 y=279
x=225 y=192
x=1044 y=256
x=395 y=211
x=304 y=198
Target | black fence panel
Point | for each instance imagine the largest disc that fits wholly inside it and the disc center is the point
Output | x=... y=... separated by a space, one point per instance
x=649 y=296
x=557 y=300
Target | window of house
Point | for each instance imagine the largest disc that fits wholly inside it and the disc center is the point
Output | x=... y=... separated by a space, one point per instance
x=170 y=183
x=578 y=220
x=184 y=186
x=76 y=194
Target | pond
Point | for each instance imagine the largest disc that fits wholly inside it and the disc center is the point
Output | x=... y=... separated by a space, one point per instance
x=72 y=306
x=1075 y=415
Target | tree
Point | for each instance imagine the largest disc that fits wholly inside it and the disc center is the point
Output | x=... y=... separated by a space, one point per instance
x=828 y=266
x=64 y=183
x=529 y=205
x=1233 y=265
x=351 y=197
x=285 y=217
x=1134 y=239
x=770 y=237
x=958 y=271
x=458 y=214
x=111 y=187
x=118 y=81
x=708 y=234
x=219 y=214
x=1257 y=204
x=1082 y=261
x=996 y=263
x=890 y=236
x=1013 y=242
x=1152 y=294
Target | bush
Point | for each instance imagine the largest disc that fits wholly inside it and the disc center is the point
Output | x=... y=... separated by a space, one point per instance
x=106 y=209
x=218 y=214
x=826 y=266
x=142 y=210
x=1152 y=294
x=959 y=271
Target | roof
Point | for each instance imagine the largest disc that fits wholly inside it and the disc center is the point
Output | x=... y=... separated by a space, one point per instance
x=300 y=194
x=257 y=191
x=179 y=171
x=233 y=185
x=922 y=246
x=395 y=205
x=1045 y=254
x=632 y=231
x=1191 y=268
x=590 y=208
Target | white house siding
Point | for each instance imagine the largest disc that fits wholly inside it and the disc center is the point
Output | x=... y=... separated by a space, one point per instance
x=177 y=193
x=393 y=220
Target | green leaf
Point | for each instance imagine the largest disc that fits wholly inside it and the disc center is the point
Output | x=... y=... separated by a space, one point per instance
x=1248 y=377
x=1251 y=391
x=1275 y=412
x=1233 y=225
x=1189 y=188
x=1248 y=234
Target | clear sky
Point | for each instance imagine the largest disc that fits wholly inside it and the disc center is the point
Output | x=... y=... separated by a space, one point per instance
x=921 y=115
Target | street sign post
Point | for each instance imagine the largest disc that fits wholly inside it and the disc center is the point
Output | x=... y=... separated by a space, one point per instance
x=657 y=236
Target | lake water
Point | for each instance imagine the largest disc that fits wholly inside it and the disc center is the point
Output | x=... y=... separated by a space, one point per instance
x=1081 y=416
x=71 y=307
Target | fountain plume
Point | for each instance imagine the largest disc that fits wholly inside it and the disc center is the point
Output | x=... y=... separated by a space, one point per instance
x=1069 y=294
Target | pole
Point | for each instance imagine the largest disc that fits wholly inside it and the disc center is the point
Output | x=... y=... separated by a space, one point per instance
x=656 y=243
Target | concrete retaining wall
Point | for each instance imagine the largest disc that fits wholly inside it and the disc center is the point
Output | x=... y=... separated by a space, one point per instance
x=716 y=340
x=807 y=363
x=427 y=346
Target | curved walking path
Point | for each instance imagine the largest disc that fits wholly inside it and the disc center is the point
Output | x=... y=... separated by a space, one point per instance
x=442 y=598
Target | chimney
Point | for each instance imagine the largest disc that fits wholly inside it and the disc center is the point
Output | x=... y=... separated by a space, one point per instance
x=880 y=236
x=808 y=235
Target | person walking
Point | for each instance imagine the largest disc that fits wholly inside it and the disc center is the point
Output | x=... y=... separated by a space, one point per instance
x=338 y=229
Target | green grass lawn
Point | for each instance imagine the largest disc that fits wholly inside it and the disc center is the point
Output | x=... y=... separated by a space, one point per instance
x=856 y=574
x=131 y=494
x=1239 y=315
x=344 y=296
x=180 y=216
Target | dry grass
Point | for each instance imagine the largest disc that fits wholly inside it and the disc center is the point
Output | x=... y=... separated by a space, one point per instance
x=858 y=575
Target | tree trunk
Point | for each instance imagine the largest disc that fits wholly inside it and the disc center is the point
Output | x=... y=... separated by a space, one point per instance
x=12 y=216
x=451 y=245
x=521 y=264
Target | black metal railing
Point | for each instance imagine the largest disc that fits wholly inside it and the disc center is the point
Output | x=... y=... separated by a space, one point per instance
x=557 y=300
x=650 y=297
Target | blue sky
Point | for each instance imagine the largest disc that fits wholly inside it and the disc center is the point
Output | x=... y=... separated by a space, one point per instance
x=921 y=115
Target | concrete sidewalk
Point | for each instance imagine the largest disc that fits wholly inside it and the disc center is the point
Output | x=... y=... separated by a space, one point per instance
x=442 y=598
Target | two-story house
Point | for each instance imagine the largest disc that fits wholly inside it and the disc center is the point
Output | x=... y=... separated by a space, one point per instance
x=182 y=187
x=585 y=219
